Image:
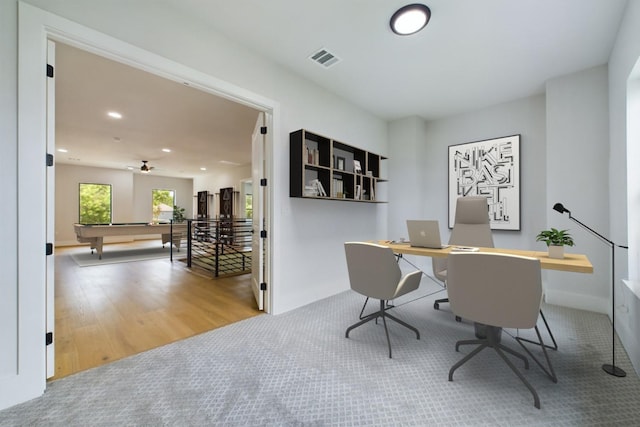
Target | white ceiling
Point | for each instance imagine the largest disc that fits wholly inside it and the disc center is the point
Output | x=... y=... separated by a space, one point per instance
x=472 y=54
x=200 y=129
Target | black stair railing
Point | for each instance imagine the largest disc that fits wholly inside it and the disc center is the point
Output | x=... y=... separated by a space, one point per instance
x=221 y=246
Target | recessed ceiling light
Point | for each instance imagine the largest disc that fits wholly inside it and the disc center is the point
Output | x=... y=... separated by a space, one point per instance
x=114 y=115
x=63 y=150
x=166 y=150
x=203 y=169
x=410 y=19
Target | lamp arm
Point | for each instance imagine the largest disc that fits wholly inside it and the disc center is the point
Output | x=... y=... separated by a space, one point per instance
x=596 y=233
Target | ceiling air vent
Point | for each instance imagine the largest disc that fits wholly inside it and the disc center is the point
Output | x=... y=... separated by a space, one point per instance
x=324 y=57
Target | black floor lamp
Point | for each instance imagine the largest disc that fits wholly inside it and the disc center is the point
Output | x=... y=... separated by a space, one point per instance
x=610 y=369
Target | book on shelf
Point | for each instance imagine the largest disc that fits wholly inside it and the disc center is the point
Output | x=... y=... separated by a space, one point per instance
x=314 y=189
x=358 y=192
x=319 y=188
x=357 y=168
x=312 y=155
x=337 y=188
x=321 y=191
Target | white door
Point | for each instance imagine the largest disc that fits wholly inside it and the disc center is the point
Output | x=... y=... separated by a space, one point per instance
x=50 y=213
x=258 y=243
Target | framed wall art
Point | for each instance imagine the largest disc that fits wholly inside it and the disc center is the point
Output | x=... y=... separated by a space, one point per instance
x=488 y=168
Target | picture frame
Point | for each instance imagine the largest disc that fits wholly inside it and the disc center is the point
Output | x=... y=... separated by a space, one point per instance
x=340 y=163
x=489 y=168
x=357 y=168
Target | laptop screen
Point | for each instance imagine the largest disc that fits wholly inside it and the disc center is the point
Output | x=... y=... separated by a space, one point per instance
x=424 y=233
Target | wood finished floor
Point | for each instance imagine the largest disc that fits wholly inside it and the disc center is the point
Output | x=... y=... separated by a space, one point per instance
x=108 y=312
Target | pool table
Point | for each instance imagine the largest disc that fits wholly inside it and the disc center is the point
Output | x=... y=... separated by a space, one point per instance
x=94 y=234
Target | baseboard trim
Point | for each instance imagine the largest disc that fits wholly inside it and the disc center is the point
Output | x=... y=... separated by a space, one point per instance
x=581 y=302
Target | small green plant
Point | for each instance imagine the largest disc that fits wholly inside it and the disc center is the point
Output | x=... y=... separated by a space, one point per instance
x=554 y=237
x=178 y=214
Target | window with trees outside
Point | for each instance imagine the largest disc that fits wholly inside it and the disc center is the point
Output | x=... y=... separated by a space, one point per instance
x=95 y=203
x=162 y=205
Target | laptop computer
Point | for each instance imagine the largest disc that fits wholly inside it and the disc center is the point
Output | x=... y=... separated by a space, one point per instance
x=425 y=234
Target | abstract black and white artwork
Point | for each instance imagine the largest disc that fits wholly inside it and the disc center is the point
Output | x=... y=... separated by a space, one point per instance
x=489 y=168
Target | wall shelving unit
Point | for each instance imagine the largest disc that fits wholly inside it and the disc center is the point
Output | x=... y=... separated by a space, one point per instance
x=323 y=168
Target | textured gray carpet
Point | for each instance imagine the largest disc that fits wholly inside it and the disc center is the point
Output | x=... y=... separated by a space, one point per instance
x=297 y=369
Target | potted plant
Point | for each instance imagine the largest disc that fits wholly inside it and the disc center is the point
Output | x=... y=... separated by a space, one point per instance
x=556 y=240
x=178 y=214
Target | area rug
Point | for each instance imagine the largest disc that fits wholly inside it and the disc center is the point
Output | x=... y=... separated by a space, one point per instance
x=87 y=259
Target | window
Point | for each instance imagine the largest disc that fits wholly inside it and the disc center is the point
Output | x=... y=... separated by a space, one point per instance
x=248 y=206
x=163 y=202
x=247 y=186
x=95 y=203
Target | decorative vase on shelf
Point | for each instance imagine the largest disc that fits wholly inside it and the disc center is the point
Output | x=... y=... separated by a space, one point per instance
x=556 y=251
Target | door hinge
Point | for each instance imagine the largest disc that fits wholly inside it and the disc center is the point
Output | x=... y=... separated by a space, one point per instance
x=263 y=130
x=49 y=249
x=49 y=159
x=49 y=70
x=48 y=339
x=263 y=286
x=263 y=234
x=263 y=182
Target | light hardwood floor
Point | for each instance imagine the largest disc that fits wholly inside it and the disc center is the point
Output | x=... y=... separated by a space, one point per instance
x=108 y=312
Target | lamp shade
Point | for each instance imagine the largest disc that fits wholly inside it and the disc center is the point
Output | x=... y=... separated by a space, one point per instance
x=560 y=208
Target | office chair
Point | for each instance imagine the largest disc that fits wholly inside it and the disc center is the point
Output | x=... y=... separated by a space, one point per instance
x=374 y=273
x=497 y=291
x=471 y=228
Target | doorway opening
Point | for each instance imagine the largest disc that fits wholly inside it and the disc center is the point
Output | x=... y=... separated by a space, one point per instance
x=104 y=334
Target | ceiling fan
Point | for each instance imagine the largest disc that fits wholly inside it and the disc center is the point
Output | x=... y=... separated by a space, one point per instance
x=145 y=168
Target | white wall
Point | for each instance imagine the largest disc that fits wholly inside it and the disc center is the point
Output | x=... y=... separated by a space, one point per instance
x=623 y=58
x=130 y=193
x=425 y=163
x=578 y=177
x=222 y=178
x=524 y=117
x=408 y=172
x=563 y=144
x=143 y=185
x=8 y=176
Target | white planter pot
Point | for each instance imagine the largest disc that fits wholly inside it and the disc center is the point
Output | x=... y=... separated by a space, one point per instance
x=556 y=252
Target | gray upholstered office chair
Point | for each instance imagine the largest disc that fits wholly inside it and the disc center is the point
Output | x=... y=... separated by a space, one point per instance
x=471 y=228
x=497 y=291
x=374 y=273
